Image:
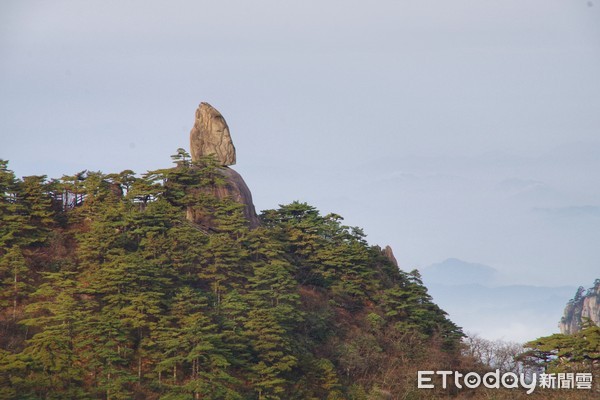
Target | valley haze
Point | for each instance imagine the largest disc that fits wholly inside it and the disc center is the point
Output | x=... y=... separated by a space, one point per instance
x=476 y=297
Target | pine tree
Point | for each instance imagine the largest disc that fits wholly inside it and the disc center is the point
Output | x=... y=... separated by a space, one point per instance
x=193 y=351
x=273 y=357
x=578 y=352
x=50 y=353
x=14 y=280
x=13 y=222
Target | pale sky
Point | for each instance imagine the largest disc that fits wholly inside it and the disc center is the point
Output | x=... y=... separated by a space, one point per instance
x=466 y=129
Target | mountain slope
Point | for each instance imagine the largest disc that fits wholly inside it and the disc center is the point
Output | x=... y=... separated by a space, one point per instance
x=109 y=291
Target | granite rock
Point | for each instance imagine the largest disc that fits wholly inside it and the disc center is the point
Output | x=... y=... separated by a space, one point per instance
x=235 y=189
x=210 y=135
x=584 y=306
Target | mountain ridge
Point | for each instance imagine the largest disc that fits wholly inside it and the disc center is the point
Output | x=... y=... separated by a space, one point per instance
x=157 y=286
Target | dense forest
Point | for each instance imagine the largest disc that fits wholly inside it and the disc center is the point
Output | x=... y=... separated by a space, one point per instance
x=109 y=292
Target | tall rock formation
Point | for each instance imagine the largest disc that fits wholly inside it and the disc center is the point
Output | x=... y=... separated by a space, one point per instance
x=210 y=136
x=585 y=305
x=389 y=254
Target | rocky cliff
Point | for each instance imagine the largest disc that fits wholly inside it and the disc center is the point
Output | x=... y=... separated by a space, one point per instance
x=584 y=307
x=210 y=137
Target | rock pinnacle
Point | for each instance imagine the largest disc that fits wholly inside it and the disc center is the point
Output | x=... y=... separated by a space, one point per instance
x=210 y=135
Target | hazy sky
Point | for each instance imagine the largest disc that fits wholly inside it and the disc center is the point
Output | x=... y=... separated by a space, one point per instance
x=467 y=129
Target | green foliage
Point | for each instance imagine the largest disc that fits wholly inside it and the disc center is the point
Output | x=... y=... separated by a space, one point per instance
x=11 y=212
x=14 y=279
x=110 y=291
x=566 y=353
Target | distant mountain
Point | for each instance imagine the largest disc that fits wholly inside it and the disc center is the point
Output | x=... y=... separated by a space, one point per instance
x=470 y=294
x=457 y=272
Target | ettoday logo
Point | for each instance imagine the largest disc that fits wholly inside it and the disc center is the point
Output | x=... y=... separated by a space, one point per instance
x=507 y=380
x=472 y=380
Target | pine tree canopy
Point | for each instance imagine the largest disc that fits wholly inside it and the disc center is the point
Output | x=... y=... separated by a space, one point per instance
x=108 y=291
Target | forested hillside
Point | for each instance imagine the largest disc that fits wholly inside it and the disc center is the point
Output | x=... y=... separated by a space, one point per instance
x=109 y=292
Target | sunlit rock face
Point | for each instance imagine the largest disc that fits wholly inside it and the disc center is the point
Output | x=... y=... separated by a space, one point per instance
x=210 y=136
x=585 y=305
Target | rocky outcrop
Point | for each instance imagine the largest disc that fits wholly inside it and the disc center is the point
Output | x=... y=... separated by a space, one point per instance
x=389 y=254
x=210 y=136
x=235 y=189
x=583 y=307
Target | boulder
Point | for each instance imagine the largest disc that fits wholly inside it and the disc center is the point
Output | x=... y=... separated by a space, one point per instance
x=210 y=136
x=235 y=189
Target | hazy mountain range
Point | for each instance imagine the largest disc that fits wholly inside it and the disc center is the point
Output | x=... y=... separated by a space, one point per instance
x=476 y=299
